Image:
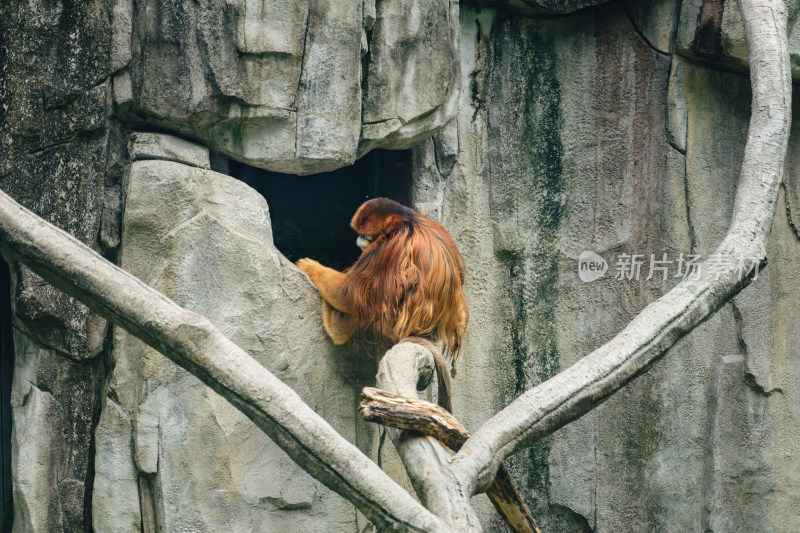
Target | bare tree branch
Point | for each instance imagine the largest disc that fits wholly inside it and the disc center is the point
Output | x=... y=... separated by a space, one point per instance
x=582 y=387
x=412 y=414
x=194 y=343
x=430 y=419
x=425 y=458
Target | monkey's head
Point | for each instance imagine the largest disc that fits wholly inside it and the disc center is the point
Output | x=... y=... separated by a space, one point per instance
x=378 y=218
x=408 y=280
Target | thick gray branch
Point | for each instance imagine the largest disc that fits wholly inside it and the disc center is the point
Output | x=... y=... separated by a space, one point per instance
x=425 y=459
x=428 y=418
x=583 y=386
x=195 y=344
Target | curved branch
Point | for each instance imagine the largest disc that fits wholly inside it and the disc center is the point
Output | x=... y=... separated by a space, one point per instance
x=424 y=457
x=430 y=419
x=582 y=387
x=192 y=342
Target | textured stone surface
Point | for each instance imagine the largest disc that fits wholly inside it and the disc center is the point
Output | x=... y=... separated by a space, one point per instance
x=60 y=154
x=49 y=474
x=656 y=20
x=191 y=460
x=537 y=6
x=279 y=84
x=159 y=146
x=713 y=30
x=598 y=130
x=607 y=147
x=273 y=84
x=412 y=74
x=113 y=453
x=54 y=140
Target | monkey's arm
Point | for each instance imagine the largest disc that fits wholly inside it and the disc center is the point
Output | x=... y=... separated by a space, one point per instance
x=329 y=283
x=339 y=326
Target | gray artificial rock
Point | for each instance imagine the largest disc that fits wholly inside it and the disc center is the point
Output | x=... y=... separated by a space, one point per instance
x=205 y=240
x=656 y=20
x=533 y=7
x=791 y=182
x=50 y=463
x=412 y=77
x=118 y=501
x=581 y=155
x=240 y=75
x=280 y=85
x=58 y=154
x=55 y=147
x=713 y=30
x=275 y=85
x=169 y=148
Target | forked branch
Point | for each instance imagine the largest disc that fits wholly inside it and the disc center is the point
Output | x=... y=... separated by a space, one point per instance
x=406 y=367
x=429 y=419
x=582 y=387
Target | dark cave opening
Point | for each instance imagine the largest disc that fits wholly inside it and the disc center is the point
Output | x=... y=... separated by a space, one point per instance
x=311 y=215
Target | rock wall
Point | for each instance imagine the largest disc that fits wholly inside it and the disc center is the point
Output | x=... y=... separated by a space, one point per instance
x=540 y=130
x=172 y=455
x=61 y=154
x=299 y=87
x=600 y=132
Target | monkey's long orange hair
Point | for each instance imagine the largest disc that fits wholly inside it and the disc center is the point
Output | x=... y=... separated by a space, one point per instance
x=408 y=280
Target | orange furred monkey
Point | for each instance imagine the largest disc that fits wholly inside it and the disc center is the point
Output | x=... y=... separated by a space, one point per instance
x=406 y=283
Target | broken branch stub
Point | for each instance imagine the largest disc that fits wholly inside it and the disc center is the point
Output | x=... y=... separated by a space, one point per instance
x=412 y=414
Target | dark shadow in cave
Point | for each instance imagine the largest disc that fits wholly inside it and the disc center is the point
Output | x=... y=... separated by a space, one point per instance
x=311 y=215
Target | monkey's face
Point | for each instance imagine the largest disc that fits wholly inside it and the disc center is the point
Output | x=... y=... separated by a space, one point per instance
x=364 y=240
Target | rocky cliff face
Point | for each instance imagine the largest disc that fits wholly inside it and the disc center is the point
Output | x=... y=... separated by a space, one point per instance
x=614 y=137
x=539 y=130
x=299 y=87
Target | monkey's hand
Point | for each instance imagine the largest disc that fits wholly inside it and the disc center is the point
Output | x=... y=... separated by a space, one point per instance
x=308 y=265
x=328 y=282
